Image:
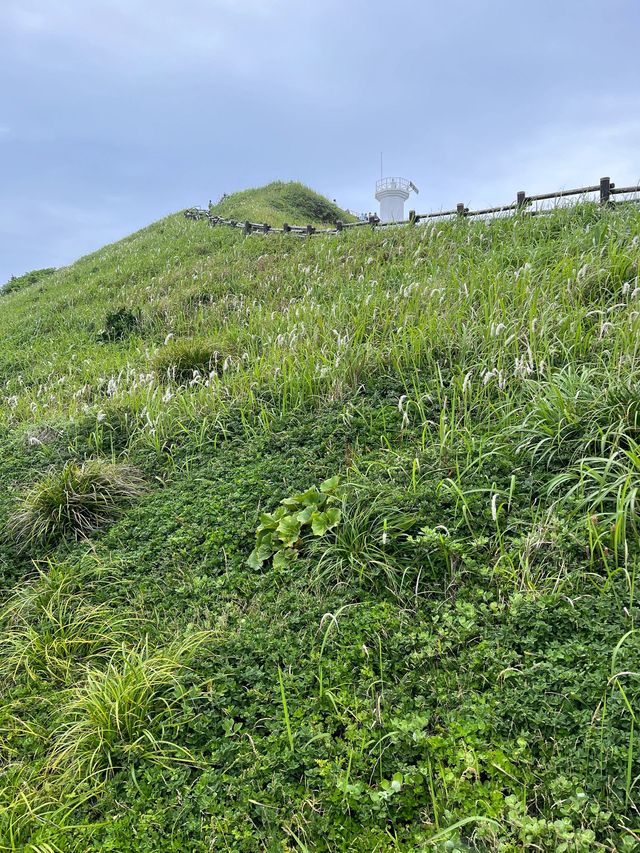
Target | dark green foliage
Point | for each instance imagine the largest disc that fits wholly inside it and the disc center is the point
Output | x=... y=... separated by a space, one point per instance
x=119 y=324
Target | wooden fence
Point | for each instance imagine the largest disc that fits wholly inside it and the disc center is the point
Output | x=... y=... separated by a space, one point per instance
x=606 y=190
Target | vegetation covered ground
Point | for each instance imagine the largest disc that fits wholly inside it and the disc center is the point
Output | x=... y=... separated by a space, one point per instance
x=280 y=202
x=324 y=544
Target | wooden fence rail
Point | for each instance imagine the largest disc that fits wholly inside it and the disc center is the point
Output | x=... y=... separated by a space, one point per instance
x=606 y=190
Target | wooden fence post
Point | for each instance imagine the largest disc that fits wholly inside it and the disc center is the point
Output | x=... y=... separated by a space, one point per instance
x=461 y=210
x=412 y=217
x=247 y=227
x=266 y=227
x=339 y=225
x=286 y=227
x=521 y=199
x=605 y=190
x=310 y=229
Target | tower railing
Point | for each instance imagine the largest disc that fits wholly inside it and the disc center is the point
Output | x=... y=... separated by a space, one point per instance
x=393 y=184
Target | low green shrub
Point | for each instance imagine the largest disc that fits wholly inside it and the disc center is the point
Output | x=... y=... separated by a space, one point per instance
x=74 y=502
x=119 y=324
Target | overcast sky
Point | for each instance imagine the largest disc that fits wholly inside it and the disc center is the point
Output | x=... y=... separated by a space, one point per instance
x=114 y=113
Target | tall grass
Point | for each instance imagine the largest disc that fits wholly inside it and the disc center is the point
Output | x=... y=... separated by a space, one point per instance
x=52 y=627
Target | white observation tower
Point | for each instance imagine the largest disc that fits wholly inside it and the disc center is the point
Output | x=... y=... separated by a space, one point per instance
x=392 y=194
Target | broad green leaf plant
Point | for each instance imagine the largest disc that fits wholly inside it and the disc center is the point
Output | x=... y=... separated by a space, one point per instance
x=280 y=534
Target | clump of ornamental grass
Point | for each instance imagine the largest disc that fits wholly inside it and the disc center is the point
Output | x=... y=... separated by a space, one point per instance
x=56 y=579
x=70 y=616
x=367 y=546
x=53 y=636
x=27 y=812
x=73 y=503
x=130 y=709
x=183 y=360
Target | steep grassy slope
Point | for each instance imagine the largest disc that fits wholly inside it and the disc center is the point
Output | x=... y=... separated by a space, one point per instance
x=433 y=646
x=281 y=202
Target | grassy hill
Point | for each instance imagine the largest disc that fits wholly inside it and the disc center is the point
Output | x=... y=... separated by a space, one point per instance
x=281 y=202
x=324 y=544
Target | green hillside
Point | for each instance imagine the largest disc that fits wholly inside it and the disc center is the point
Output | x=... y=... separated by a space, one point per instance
x=281 y=202
x=324 y=544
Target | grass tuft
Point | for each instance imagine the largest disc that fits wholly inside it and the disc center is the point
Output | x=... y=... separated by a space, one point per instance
x=128 y=709
x=73 y=503
x=183 y=360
